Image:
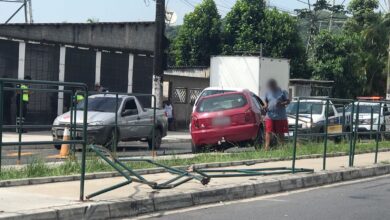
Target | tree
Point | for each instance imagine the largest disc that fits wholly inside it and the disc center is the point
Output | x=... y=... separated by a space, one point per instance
x=363 y=14
x=338 y=57
x=250 y=28
x=198 y=37
x=281 y=39
x=374 y=28
x=243 y=30
x=315 y=15
x=93 y=20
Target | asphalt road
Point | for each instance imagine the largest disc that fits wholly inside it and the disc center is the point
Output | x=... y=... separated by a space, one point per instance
x=356 y=201
x=9 y=156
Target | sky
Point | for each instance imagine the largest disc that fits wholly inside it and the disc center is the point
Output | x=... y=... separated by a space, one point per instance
x=48 y=11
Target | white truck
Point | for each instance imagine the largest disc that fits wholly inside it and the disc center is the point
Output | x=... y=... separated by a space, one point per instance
x=365 y=109
x=249 y=72
x=312 y=116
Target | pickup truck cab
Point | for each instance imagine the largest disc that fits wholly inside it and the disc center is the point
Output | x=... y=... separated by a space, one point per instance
x=365 y=110
x=312 y=116
x=134 y=121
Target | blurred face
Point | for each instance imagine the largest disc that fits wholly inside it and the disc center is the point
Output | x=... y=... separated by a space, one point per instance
x=272 y=85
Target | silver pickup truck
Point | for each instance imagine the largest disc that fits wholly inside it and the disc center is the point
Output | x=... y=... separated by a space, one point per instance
x=134 y=121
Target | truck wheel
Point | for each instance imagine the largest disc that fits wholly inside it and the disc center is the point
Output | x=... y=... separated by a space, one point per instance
x=58 y=147
x=157 y=140
x=111 y=140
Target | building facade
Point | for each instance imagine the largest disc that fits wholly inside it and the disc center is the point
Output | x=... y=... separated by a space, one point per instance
x=119 y=63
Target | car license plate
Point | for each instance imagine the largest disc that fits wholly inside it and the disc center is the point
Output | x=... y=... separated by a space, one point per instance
x=222 y=121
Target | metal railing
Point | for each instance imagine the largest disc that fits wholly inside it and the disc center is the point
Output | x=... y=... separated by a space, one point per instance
x=20 y=123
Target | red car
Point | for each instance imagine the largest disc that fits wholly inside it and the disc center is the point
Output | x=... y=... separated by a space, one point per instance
x=233 y=117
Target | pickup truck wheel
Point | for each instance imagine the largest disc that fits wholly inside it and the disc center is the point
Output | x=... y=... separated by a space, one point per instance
x=58 y=147
x=111 y=140
x=157 y=140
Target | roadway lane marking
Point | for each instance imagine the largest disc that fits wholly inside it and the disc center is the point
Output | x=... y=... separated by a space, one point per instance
x=260 y=198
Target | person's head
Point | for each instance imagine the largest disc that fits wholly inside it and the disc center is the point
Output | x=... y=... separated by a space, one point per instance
x=97 y=86
x=27 y=78
x=272 y=84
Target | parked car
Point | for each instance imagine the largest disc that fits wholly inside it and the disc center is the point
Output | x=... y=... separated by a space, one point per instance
x=232 y=117
x=365 y=109
x=312 y=116
x=134 y=121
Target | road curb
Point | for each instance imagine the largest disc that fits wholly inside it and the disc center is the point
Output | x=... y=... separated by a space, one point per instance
x=178 y=140
x=155 y=203
x=102 y=175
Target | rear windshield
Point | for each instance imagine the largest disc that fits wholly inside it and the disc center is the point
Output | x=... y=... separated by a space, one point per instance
x=214 y=92
x=221 y=103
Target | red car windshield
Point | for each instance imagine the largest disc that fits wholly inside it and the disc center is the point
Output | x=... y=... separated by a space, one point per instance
x=220 y=103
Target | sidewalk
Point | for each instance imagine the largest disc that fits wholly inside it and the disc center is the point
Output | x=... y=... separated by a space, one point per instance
x=54 y=198
x=172 y=137
x=177 y=137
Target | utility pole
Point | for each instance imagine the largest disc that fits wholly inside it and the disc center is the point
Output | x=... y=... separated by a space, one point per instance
x=388 y=63
x=158 y=70
x=388 y=71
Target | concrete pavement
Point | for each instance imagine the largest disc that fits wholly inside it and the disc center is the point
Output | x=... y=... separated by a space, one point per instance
x=56 y=197
x=361 y=200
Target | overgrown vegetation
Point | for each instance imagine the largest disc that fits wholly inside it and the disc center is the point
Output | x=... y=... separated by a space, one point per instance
x=38 y=168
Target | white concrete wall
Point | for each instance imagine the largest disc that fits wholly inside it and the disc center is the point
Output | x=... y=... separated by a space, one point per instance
x=130 y=74
x=22 y=57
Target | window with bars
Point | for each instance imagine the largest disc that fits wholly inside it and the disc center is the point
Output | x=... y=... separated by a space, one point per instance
x=180 y=95
x=194 y=94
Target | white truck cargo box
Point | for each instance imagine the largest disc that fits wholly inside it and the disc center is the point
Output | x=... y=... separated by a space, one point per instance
x=248 y=72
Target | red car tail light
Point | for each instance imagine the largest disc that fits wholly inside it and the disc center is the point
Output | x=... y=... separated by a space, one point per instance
x=195 y=122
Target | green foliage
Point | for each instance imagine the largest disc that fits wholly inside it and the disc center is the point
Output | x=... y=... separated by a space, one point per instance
x=337 y=57
x=243 y=30
x=363 y=14
x=198 y=37
x=374 y=30
x=356 y=58
x=281 y=39
x=250 y=27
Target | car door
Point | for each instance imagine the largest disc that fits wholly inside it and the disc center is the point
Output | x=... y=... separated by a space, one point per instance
x=386 y=115
x=130 y=119
x=333 y=118
x=145 y=122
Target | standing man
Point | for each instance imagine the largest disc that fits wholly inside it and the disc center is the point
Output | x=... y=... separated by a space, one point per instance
x=168 y=108
x=22 y=100
x=276 y=122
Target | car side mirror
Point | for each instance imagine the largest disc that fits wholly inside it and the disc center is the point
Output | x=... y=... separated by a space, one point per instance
x=129 y=112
